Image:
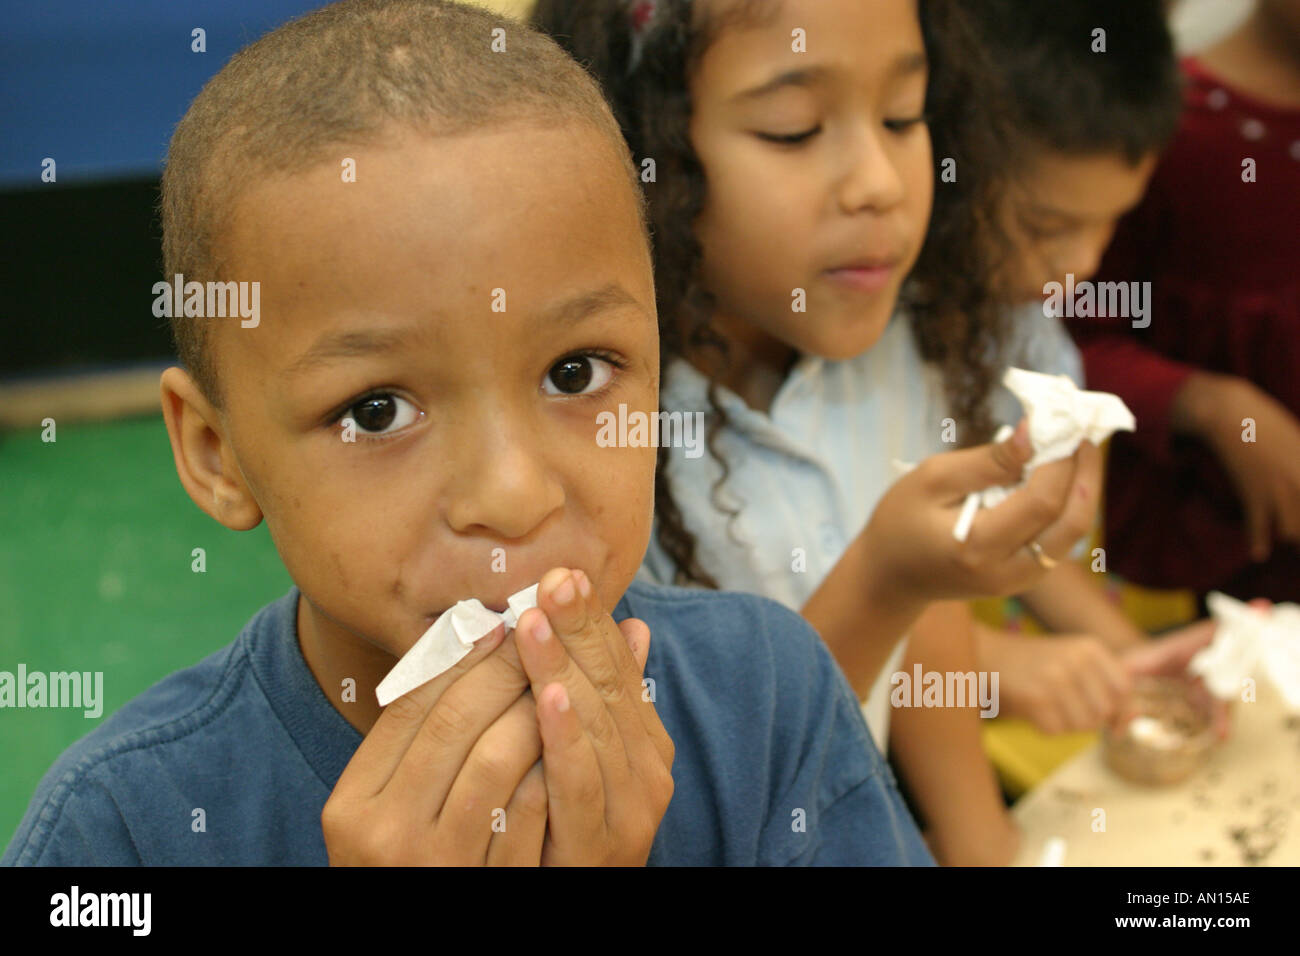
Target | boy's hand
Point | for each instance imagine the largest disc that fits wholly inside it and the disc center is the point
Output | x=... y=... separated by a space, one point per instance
x=1168 y=656
x=607 y=758
x=449 y=774
x=911 y=528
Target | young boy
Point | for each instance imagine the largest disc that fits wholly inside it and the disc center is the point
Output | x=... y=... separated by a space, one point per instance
x=1206 y=494
x=1092 y=89
x=455 y=281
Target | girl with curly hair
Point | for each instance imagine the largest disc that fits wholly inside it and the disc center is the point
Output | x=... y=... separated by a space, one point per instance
x=790 y=151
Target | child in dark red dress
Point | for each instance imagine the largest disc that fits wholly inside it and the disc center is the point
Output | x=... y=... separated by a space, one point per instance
x=1206 y=494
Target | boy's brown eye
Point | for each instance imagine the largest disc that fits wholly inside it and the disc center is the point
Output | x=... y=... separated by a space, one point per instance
x=571 y=375
x=381 y=413
x=584 y=374
x=375 y=414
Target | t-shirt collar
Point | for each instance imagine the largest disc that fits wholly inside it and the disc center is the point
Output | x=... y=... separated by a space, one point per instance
x=322 y=735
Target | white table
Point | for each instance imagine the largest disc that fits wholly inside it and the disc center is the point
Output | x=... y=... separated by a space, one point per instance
x=1242 y=807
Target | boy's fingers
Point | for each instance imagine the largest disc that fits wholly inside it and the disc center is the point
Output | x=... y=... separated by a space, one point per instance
x=1074 y=707
x=547 y=660
x=596 y=652
x=1170 y=653
x=492 y=772
x=589 y=655
x=1092 y=695
x=521 y=834
x=442 y=742
x=375 y=760
x=622 y=642
x=1117 y=677
x=599 y=649
x=1102 y=693
x=575 y=790
x=637 y=634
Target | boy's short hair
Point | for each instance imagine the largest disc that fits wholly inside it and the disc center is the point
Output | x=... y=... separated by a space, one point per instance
x=1064 y=96
x=339 y=77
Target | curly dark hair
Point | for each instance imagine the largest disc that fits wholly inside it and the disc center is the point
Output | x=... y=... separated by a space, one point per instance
x=956 y=317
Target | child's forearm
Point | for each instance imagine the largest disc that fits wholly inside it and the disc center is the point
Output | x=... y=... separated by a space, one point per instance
x=1199 y=405
x=1069 y=600
x=860 y=623
x=939 y=755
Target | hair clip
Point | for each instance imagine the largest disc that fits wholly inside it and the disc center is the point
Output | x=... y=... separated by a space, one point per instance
x=641 y=17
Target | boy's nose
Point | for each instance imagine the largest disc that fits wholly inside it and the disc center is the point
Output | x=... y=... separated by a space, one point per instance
x=503 y=486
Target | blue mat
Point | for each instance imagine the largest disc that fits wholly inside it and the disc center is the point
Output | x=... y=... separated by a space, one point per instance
x=99 y=85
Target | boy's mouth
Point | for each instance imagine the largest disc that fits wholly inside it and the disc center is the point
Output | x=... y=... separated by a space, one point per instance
x=498 y=607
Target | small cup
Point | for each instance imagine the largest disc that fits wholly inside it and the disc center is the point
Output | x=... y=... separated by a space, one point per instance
x=1167 y=734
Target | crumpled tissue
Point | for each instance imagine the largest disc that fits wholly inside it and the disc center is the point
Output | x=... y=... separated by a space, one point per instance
x=1248 y=640
x=1061 y=415
x=448 y=640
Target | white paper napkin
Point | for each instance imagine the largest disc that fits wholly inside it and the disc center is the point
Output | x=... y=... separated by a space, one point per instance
x=1061 y=415
x=1250 y=641
x=448 y=640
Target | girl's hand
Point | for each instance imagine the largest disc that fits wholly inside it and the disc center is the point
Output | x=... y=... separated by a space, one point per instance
x=1168 y=656
x=910 y=534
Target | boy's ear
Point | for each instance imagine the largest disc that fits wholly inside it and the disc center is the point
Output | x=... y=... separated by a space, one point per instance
x=204 y=458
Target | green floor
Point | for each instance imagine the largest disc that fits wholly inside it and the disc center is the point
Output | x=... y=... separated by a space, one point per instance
x=96 y=536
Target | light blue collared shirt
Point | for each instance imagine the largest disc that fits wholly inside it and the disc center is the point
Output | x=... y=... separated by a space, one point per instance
x=807 y=475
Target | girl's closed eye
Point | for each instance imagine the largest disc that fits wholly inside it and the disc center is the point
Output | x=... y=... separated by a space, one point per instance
x=906 y=123
x=790 y=139
x=575 y=374
x=899 y=125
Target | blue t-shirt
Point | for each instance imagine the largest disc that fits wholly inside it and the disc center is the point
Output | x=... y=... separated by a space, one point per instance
x=774 y=764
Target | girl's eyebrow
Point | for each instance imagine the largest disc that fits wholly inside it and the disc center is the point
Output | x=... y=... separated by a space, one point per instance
x=802 y=77
x=902 y=65
x=906 y=63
